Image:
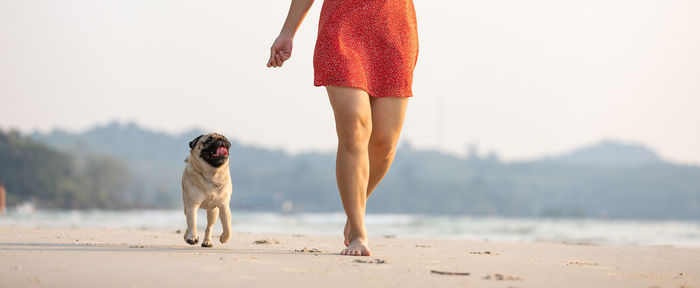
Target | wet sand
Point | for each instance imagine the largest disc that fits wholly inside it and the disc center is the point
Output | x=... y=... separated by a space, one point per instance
x=59 y=257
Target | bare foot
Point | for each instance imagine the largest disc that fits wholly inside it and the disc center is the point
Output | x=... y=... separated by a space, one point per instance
x=346 y=233
x=357 y=247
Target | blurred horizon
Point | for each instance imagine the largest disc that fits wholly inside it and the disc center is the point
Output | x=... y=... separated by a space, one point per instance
x=125 y=166
x=470 y=149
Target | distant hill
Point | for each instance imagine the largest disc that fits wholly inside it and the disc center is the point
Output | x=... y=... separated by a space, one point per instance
x=34 y=172
x=610 y=153
x=128 y=142
x=154 y=159
x=608 y=179
x=156 y=162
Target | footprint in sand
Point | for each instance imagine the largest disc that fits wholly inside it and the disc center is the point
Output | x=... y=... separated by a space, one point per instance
x=501 y=277
x=375 y=261
x=483 y=253
x=266 y=241
x=450 y=273
x=307 y=250
x=582 y=263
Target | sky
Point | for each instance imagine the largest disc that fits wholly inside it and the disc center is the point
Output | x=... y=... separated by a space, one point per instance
x=523 y=79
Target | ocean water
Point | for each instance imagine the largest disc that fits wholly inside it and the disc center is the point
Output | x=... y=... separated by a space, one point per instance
x=679 y=233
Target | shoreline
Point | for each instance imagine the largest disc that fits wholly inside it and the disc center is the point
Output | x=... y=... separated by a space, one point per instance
x=58 y=257
x=678 y=233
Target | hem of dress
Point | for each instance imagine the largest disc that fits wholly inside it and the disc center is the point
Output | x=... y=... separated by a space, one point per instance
x=370 y=93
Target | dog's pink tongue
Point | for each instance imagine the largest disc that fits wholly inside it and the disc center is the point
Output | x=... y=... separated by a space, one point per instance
x=222 y=151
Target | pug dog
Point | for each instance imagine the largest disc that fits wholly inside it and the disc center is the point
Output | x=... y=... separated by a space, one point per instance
x=206 y=184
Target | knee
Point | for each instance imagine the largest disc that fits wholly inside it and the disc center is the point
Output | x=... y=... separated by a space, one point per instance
x=353 y=136
x=383 y=146
x=222 y=209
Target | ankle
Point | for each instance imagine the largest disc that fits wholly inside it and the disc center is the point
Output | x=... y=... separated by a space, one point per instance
x=357 y=235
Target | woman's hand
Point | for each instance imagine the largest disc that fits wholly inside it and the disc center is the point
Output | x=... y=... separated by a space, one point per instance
x=280 y=51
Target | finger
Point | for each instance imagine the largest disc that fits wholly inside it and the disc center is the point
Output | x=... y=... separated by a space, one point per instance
x=270 y=63
x=279 y=59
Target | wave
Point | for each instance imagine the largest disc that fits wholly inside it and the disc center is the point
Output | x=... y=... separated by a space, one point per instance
x=683 y=233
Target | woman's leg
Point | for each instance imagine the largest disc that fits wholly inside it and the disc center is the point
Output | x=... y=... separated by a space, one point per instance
x=387 y=120
x=353 y=122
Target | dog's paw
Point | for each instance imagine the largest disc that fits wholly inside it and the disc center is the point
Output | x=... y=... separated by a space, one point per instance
x=224 y=237
x=192 y=241
x=206 y=243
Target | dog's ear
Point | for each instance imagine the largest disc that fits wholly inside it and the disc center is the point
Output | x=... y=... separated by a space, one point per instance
x=194 y=142
x=227 y=142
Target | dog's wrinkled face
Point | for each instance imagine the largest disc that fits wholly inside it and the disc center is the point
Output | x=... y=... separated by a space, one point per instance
x=213 y=148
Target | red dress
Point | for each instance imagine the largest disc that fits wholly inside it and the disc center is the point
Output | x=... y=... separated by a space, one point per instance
x=367 y=44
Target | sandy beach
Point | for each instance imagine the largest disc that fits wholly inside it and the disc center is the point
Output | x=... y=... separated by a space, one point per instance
x=60 y=257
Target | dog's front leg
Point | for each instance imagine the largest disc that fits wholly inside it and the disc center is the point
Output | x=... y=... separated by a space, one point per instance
x=225 y=215
x=211 y=220
x=191 y=234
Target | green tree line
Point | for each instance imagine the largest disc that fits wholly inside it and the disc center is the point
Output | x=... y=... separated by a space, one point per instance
x=125 y=166
x=33 y=172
